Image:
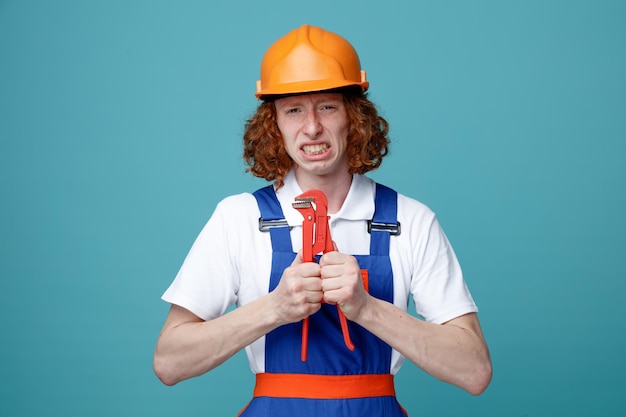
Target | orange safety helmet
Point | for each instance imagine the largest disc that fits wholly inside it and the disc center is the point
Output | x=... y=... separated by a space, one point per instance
x=309 y=59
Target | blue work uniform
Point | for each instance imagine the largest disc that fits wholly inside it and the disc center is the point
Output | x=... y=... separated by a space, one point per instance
x=328 y=357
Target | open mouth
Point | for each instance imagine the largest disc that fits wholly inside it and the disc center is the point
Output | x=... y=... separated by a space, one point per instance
x=314 y=149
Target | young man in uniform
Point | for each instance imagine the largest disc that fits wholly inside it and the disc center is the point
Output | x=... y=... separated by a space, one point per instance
x=316 y=130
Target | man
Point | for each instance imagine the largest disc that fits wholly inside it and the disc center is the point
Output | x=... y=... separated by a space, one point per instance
x=316 y=130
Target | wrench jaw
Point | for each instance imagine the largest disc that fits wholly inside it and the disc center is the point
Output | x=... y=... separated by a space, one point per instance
x=302 y=203
x=305 y=206
x=314 y=197
x=313 y=206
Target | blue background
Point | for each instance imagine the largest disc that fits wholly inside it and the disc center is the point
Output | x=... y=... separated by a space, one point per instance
x=120 y=127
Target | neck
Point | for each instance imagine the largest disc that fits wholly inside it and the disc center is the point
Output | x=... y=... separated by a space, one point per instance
x=335 y=188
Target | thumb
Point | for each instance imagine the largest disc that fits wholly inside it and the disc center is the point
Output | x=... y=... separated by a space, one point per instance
x=335 y=246
x=298 y=259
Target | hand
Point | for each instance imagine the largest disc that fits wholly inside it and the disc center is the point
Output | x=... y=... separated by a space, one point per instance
x=299 y=292
x=342 y=283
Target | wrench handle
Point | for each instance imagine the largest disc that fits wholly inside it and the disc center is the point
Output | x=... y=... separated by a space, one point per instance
x=305 y=340
x=344 y=329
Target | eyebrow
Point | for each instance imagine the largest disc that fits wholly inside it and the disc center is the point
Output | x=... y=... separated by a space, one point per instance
x=298 y=101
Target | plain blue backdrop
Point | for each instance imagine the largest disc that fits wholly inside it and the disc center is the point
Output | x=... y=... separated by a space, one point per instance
x=120 y=129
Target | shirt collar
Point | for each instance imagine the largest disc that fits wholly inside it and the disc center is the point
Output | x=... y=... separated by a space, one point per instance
x=359 y=204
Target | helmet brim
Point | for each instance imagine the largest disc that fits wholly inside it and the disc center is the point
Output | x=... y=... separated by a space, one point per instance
x=308 y=87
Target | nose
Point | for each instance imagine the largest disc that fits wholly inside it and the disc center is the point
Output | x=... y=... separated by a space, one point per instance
x=313 y=126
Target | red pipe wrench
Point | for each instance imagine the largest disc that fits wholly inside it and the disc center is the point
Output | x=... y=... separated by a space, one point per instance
x=313 y=206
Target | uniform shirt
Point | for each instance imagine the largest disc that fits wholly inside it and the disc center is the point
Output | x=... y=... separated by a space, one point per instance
x=230 y=261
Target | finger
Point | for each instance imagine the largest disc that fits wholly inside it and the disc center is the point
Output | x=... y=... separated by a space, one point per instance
x=298 y=270
x=331 y=284
x=313 y=297
x=331 y=270
x=330 y=258
x=311 y=284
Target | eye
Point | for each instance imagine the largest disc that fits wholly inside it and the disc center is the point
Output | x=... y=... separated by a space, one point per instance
x=292 y=110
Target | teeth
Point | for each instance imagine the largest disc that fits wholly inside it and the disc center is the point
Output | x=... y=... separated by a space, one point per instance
x=314 y=149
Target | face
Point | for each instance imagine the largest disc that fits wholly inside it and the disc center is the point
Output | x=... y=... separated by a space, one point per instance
x=315 y=130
